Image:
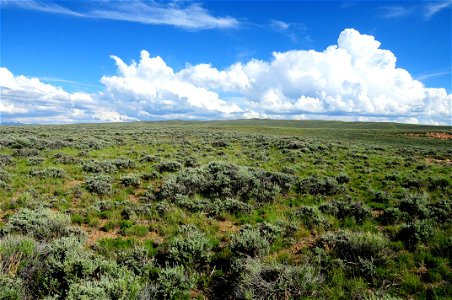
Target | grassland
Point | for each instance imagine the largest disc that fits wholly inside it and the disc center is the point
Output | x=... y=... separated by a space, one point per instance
x=252 y=209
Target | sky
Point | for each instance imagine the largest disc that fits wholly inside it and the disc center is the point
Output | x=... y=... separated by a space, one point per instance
x=115 y=61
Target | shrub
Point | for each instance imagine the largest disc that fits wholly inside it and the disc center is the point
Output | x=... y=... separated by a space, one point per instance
x=49 y=173
x=191 y=162
x=271 y=231
x=414 y=183
x=212 y=208
x=11 y=288
x=33 y=161
x=343 y=178
x=361 y=252
x=249 y=242
x=437 y=183
x=171 y=283
x=345 y=209
x=220 y=144
x=100 y=185
x=26 y=152
x=42 y=224
x=440 y=211
x=136 y=259
x=225 y=180
x=414 y=233
x=316 y=186
x=414 y=205
x=150 y=175
x=149 y=158
x=131 y=180
x=5 y=160
x=123 y=163
x=390 y=216
x=168 y=166
x=99 y=167
x=66 y=159
x=190 y=247
x=65 y=269
x=310 y=216
x=277 y=281
x=15 y=252
x=4 y=176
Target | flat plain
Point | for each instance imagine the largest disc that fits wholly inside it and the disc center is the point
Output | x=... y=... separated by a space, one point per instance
x=247 y=209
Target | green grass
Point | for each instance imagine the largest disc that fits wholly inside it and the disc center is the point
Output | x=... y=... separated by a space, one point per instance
x=133 y=233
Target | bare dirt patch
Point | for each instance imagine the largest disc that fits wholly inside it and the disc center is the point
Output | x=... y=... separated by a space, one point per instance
x=72 y=183
x=434 y=135
x=134 y=199
x=305 y=242
x=227 y=226
x=444 y=162
x=95 y=234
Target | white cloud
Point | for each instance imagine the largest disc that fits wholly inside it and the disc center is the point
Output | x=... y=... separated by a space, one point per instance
x=432 y=9
x=426 y=10
x=192 y=16
x=153 y=89
x=353 y=80
x=355 y=77
x=29 y=100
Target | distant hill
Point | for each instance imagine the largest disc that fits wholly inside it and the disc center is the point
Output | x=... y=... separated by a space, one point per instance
x=11 y=123
x=311 y=124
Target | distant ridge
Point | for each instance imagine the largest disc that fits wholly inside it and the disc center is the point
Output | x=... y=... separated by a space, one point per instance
x=11 y=123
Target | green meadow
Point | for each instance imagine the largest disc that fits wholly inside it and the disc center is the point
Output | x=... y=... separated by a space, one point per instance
x=247 y=209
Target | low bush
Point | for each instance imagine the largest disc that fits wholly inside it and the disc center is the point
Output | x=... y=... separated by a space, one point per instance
x=189 y=247
x=391 y=216
x=435 y=183
x=214 y=207
x=16 y=251
x=249 y=242
x=131 y=180
x=41 y=224
x=100 y=185
x=361 y=252
x=34 y=161
x=278 y=281
x=49 y=173
x=26 y=152
x=171 y=283
x=99 y=167
x=168 y=166
x=413 y=234
x=440 y=211
x=66 y=270
x=225 y=180
x=6 y=160
x=310 y=216
x=149 y=158
x=319 y=186
x=347 y=209
x=414 y=205
x=11 y=288
x=123 y=163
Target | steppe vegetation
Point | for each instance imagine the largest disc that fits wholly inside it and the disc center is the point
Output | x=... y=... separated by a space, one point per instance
x=226 y=210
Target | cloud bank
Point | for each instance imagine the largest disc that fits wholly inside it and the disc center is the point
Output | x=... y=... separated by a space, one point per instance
x=353 y=80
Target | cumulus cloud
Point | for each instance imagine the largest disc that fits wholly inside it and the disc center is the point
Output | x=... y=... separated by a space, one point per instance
x=29 y=100
x=154 y=90
x=354 y=77
x=353 y=80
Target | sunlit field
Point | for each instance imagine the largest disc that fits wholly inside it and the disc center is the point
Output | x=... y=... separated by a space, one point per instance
x=255 y=209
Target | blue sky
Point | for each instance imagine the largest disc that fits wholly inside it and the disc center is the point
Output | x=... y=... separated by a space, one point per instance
x=61 y=50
